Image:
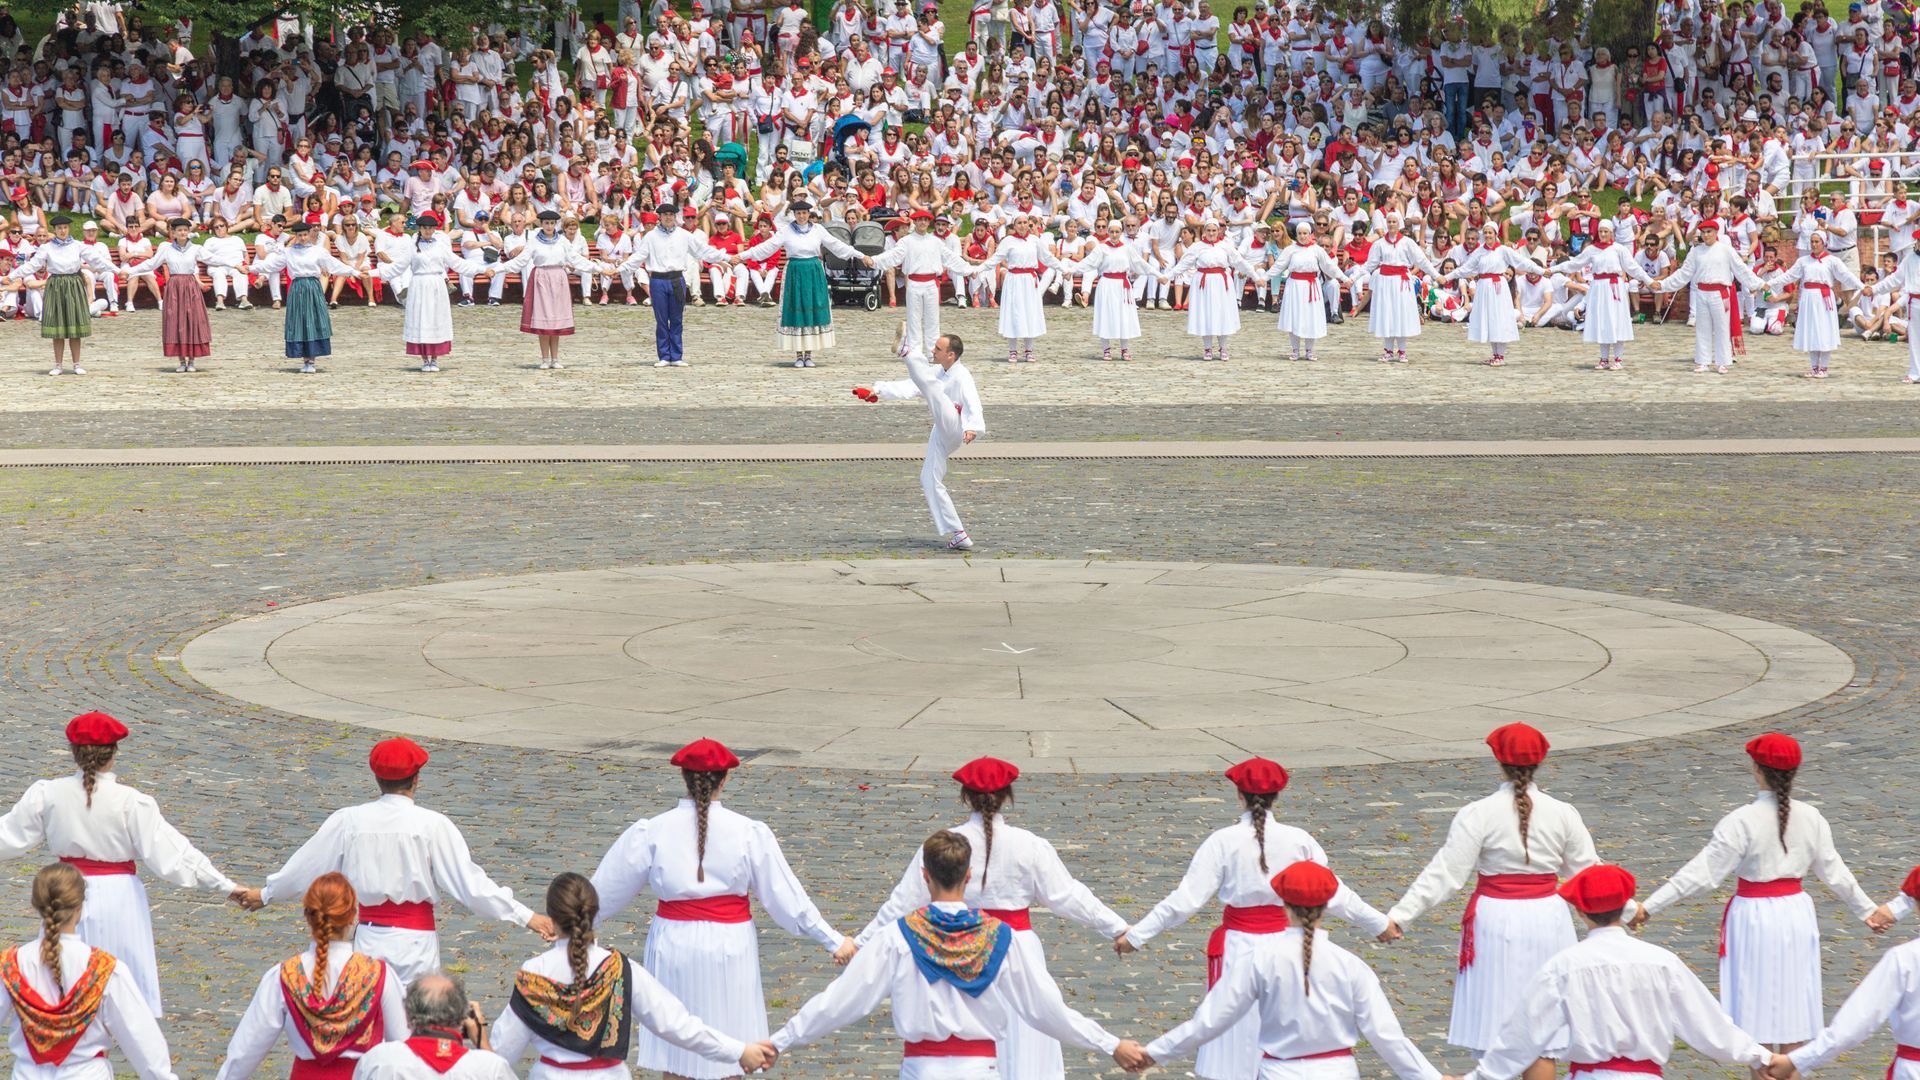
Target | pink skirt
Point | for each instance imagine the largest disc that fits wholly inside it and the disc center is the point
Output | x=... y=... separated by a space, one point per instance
x=430 y=348
x=547 y=307
x=183 y=318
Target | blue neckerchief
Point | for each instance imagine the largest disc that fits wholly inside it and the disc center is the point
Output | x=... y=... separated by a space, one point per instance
x=545 y=239
x=956 y=922
x=57 y=242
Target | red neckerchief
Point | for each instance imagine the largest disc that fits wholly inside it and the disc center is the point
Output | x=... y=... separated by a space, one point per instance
x=438 y=1048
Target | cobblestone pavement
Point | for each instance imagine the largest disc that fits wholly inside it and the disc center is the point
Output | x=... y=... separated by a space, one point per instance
x=106 y=573
x=735 y=364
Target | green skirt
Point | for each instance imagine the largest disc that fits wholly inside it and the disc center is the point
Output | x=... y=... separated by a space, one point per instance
x=64 y=314
x=806 y=311
x=309 y=327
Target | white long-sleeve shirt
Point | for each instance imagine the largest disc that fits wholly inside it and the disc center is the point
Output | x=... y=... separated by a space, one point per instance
x=1404 y=251
x=431 y=260
x=63 y=257
x=1494 y=260
x=1019 y=252
x=302 y=261
x=125 y=1019
x=1027 y=872
x=1889 y=995
x=393 y=849
x=1219 y=255
x=743 y=858
x=1228 y=865
x=653 y=1007
x=123 y=825
x=922 y=254
x=671 y=251
x=267 y=1017
x=1747 y=841
x=1346 y=1006
x=397 y=1061
x=1485 y=839
x=800 y=244
x=540 y=251
x=1308 y=259
x=1615 y=996
x=180 y=260
x=884 y=970
x=962 y=391
x=1712 y=264
x=1595 y=260
x=1822 y=270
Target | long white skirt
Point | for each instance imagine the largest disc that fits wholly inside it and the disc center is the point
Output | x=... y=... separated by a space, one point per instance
x=1340 y=1068
x=1492 y=323
x=1770 y=977
x=1816 y=327
x=116 y=920
x=1395 y=311
x=1025 y=1052
x=714 y=969
x=410 y=953
x=1512 y=941
x=429 y=318
x=1303 y=311
x=1114 y=313
x=1609 y=318
x=951 y=1068
x=1213 y=306
x=1021 y=313
x=1236 y=1055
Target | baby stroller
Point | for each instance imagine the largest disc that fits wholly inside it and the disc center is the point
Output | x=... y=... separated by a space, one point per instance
x=850 y=280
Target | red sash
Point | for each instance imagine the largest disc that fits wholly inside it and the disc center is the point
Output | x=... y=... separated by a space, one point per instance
x=339 y=1068
x=1786 y=886
x=1625 y=1065
x=1820 y=287
x=1124 y=281
x=399 y=914
x=1313 y=285
x=1225 y=280
x=720 y=909
x=1034 y=270
x=1394 y=272
x=1614 y=278
x=951 y=1046
x=97 y=868
x=923 y=277
x=1900 y=1054
x=1261 y=919
x=1322 y=1056
x=437 y=1052
x=1501 y=887
x=588 y=1065
x=1018 y=918
x=1731 y=297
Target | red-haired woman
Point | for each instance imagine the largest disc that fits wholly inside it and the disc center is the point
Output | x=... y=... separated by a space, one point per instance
x=1013 y=871
x=332 y=1002
x=1769 y=935
x=1520 y=842
x=702 y=862
x=1237 y=864
x=109 y=831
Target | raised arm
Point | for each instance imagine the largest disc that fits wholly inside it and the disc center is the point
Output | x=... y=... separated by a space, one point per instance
x=782 y=894
x=624 y=870
x=1867 y=1009
x=1068 y=896
x=1220 y=1009
x=1830 y=868
x=456 y=874
x=1705 y=870
x=24 y=827
x=1032 y=995
x=858 y=991
x=162 y=849
x=1197 y=886
x=1444 y=874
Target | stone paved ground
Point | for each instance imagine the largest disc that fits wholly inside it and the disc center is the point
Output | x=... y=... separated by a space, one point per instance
x=105 y=573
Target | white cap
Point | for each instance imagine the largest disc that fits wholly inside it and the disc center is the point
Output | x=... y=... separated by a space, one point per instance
x=1305 y=228
x=89 y=226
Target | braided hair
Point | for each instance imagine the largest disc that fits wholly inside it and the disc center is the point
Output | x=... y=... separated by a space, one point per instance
x=1258 y=807
x=330 y=906
x=1780 y=782
x=701 y=787
x=1521 y=776
x=58 y=892
x=573 y=904
x=93 y=760
x=1308 y=919
x=986 y=804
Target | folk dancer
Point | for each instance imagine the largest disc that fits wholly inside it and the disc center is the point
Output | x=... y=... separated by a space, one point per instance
x=419 y=277
x=1905 y=282
x=1113 y=263
x=308 y=330
x=1303 y=313
x=1492 y=320
x=184 y=331
x=1717 y=275
x=1394 y=315
x=1609 y=308
x=1023 y=318
x=667 y=252
x=1889 y=996
x=953 y=402
x=1213 y=304
x=806 y=309
x=66 y=317
x=1816 y=322
x=546 y=299
x=922 y=256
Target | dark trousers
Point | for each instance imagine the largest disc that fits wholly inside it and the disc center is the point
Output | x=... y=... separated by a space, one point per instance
x=669 y=295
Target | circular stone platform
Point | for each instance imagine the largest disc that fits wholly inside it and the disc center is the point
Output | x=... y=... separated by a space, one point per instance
x=1092 y=667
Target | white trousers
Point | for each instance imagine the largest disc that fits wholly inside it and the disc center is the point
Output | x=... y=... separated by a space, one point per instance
x=725 y=277
x=1712 y=338
x=949 y=1068
x=225 y=281
x=411 y=953
x=923 y=318
x=946 y=437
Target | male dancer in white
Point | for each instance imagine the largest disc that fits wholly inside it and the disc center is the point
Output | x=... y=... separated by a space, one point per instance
x=953 y=401
x=923 y=256
x=1303 y=312
x=1717 y=275
x=1905 y=281
x=1888 y=996
x=1022 y=310
x=1395 y=313
x=399 y=856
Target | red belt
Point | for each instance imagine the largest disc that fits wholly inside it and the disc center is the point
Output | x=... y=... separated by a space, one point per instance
x=1344 y=1052
x=1900 y=1054
x=1731 y=297
x=1259 y=919
x=399 y=914
x=1786 y=886
x=1121 y=278
x=1313 y=285
x=1501 y=887
x=1221 y=270
x=951 y=1046
x=1820 y=287
x=336 y=1068
x=1034 y=270
x=98 y=868
x=1018 y=918
x=1912 y=297
x=923 y=277
x=583 y=1066
x=1614 y=278
x=1395 y=271
x=720 y=909
x=1625 y=1065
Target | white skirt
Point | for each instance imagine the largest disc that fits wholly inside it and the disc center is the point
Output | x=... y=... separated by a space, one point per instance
x=1816 y=327
x=1770 y=977
x=1021 y=313
x=1213 y=306
x=1303 y=311
x=429 y=318
x=1114 y=313
x=1236 y=1054
x=1025 y=1052
x=1395 y=311
x=1512 y=940
x=410 y=953
x=1609 y=319
x=714 y=969
x=1340 y=1068
x=116 y=920
x=1492 y=322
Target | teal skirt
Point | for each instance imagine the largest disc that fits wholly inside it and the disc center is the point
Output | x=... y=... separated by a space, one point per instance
x=309 y=328
x=806 y=311
x=65 y=314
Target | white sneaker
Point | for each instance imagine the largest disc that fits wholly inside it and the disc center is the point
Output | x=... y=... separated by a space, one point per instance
x=545 y=364
x=55 y=371
x=127 y=307
x=78 y=370
x=556 y=366
x=669 y=363
x=960 y=542
x=683 y=363
x=308 y=368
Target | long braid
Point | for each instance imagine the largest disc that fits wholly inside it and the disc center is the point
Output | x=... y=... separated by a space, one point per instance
x=58 y=893
x=1780 y=782
x=987 y=804
x=573 y=904
x=93 y=760
x=330 y=906
x=1521 y=776
x=1258 y=807
x=700 y=788
x=1308 y=919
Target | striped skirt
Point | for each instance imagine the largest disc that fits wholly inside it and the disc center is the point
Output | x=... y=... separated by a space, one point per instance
x=309 y=330
x=806 y=309
x=64 y=314
x=1770 y=977
x=1512 y=939
x=183 y=319
x=714 y=969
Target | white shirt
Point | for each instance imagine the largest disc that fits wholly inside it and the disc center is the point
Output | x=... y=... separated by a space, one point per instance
x=1889 y=995
x=125 y=1019
x=397 y=1061
x=1485 y=839
x=1615 y=996
x=672 y=251
x=123 y=825
x=652 y=1007
x=800 y=244
x=884 y=970
x=180 y=260
x=964 y=392
x=393 y=849
x=304 y=261
x=922 y=254
x=1748 y=841
x=540 y=250
x=1713 y=264
x=63 y=257
x=1346 y=1005
x=267 y=1017
x=742 y=859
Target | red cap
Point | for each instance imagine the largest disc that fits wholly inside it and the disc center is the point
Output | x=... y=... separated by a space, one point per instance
x=95 y=729
x=1604 y=887
x=705 y=755
x=1129 y=162
x=1710 y=223
x=1517 y=744
x=423 y=163
x=1911 y=886
x=396 y=759
x=945 y=159
x=987 y=774
x=922 y=215
x=1775 y=751
x=648 y=217
x=1258 y=776
x=1306 y=884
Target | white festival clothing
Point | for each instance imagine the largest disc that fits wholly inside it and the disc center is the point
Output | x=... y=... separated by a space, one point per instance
x=1115 y=315
x=419 y=276
x=923 y=258
x=1303 y=312
x=669 y=251
x=63 y=257
x=1022 y=311
x=1213 y=304
x=1714 y=265
x=799 y=244
x=182 y=260
x=397 y=1061
x=1346 y=1006
x=953 y=404
x=1905 y=283
x=1609 y=306
x=653 y=1009
x=1612 y=996
x=124 y=1021
x=1492 y=320
x=123 y=825
x=1816 y=324
x=301 y=261
x=394 y=850
x=1888 y=997
x=267 y=1018
x=1395 y=311
x=540 y=252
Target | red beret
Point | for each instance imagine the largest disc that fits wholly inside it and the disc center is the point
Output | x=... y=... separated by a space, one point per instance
x=1911 y=886
x=1775 y=751
x=1604 y=887
x=922 y=215
x=396 y=759
x=705 y=755
x=1258 y=776
x=1306 y=884
x=1518 y=744
x=95 y=729
x=987 y=774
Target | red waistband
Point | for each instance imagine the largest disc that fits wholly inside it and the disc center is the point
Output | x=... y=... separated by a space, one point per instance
x=1606 y=277
x=1018 y=918
x=1115 y=277
x=583 y=1066
x=952 y=1046
x=1304 y=277
x=1260 y=919
x=1493 y=277
x=1786 y=886
x=399 y=914
x=1517 y=886
x=1034 y=270
x=1395 y=271
x=1907 y=1053
x=1205 y=270
x=338 y=1068
x=923 y=277
x=1322 y=1056
x=1626 y=1065
x=1723 y=290
x=721 y=909
x=97 y=868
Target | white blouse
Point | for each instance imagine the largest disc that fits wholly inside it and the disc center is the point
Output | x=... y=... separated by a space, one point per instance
x=1228 y=865
x=180 y=259
x=302 y=261
x=1747 y=842
x=1485 y=839
x=57 y=257
x=800 y=243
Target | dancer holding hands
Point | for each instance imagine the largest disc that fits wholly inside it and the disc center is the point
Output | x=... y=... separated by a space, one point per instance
x=1609 y=308
x=1492 y=321
x=1303 y=311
